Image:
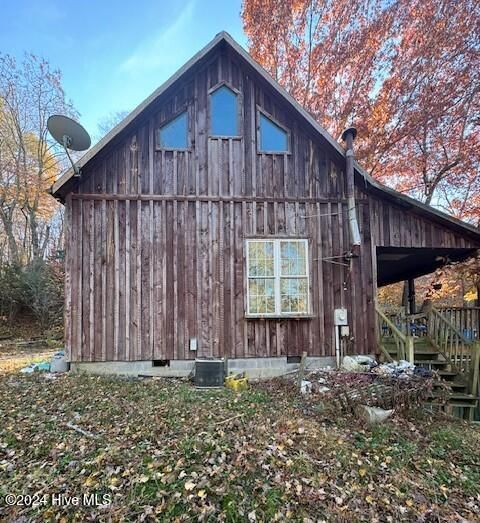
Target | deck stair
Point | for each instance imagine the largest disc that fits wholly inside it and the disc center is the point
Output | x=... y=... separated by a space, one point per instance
x=454 y=360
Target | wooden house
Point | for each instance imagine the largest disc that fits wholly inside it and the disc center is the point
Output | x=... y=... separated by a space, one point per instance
x=219 y=220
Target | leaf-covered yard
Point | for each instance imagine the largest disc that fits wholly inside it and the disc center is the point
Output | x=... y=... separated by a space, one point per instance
x=164 y=451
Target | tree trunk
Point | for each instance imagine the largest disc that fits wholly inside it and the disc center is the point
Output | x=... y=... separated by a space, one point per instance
x=36 y=250
x=12 y=242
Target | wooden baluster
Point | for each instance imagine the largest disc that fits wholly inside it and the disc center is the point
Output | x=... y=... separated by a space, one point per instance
x=475 y=371
x=455 y=345
x=410 y=349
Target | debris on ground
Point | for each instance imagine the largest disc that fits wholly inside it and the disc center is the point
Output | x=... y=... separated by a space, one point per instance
x=40 y=366
x=348 y=390
x=305 y=387
x=236 y=382
x=397 y=385
x=81 y=431
x=358 y=363
x=59 y=362
x=373 y=415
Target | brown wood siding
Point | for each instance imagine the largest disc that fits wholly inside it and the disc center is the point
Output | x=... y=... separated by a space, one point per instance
x=186 y=279
x=393 y=226
x=155 y=246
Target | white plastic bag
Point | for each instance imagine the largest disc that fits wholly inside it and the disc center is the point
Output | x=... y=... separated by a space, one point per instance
x=373 y=415
x=358 y=363
x=306 y=387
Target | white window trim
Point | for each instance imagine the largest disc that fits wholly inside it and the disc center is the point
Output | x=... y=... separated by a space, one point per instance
x=277 y=276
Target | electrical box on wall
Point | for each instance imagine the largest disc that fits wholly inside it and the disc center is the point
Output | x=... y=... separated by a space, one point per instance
x=193 y=344
x=340 y=317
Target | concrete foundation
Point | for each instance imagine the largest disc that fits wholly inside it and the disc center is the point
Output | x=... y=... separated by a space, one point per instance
x=253 y=367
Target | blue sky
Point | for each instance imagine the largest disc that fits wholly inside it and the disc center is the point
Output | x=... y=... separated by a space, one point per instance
x=114 y=53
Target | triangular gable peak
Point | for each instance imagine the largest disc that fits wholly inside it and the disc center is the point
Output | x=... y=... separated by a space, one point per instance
x=202 y=56
x=67 y=182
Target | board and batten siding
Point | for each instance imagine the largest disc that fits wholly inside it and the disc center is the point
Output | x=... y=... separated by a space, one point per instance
x=393 y=226
x=155 y=239
x=156 y=244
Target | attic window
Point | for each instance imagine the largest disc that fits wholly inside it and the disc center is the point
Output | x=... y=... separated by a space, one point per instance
x=224 y=112
x=174 y=134
x=272 y=137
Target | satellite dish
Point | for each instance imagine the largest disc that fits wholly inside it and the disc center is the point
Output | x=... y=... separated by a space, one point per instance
x=70 y=135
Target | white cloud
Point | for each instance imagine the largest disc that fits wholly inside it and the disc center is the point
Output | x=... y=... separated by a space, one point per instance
x=165 y=48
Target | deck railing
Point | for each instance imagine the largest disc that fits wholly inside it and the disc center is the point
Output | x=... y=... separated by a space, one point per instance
x=462 y=352
x=464 y=319
x=387 y=329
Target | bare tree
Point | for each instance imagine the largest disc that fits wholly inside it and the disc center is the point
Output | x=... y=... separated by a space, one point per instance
x=108 y=122
x=30 y=161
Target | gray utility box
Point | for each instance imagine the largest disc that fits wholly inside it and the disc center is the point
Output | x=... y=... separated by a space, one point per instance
x=209 y=372
x=340 y=317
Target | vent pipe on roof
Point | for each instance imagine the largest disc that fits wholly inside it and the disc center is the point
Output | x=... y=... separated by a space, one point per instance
x=348 y=136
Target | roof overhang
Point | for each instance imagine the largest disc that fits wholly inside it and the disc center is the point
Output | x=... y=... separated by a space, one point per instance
x=396 y=264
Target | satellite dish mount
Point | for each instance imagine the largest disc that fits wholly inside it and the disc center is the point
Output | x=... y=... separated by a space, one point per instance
x=70 y=135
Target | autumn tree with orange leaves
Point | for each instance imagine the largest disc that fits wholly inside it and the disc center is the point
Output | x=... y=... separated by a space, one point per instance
x=405 y=72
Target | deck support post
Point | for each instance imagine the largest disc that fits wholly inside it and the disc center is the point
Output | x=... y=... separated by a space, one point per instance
x=475 y=368
x=412 y=308
x=410 y=349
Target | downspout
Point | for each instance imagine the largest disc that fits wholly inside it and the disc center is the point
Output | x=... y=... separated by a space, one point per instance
x=348 y=136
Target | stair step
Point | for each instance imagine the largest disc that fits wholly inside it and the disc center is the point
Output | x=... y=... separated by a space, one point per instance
x=428 y=356
x=443 y=385
x=460 y=396
x=457 y=385
x=422 y=342
x=463 y=396
x=454 y=387
x=446 y=374
x=436 y=363
x=454 y=405
x=420 y=352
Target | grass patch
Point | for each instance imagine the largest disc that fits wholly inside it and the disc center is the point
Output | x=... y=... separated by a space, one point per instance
x=165 y=451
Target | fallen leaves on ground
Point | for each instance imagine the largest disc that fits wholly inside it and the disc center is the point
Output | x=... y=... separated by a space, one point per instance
x=163 y=451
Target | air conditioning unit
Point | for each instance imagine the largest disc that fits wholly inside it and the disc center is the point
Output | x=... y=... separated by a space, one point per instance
x=209 y=373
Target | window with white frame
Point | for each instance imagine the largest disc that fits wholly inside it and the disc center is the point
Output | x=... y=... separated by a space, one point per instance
x=278 y=279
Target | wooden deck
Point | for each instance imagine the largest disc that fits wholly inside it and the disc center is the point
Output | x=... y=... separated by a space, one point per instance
x=440 y=347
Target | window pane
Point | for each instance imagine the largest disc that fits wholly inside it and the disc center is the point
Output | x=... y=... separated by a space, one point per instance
x=294 y=295
x=174 y=134
x=261 y=296
x=272 y=137
x=260 y=259
x=224 y=120
x=293 y=258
